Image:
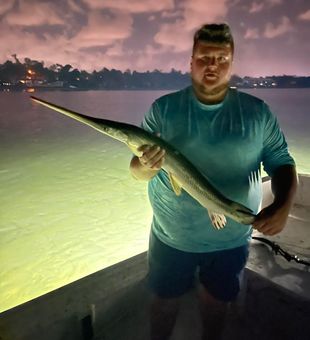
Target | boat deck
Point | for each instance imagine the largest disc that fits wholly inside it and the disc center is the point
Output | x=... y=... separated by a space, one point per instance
x=274 y=302
x=295 y=240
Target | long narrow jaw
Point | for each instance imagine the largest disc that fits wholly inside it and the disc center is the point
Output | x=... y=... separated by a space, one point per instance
x=101 y=125
x=91 y=121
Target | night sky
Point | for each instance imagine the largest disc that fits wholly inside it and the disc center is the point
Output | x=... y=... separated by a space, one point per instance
x=271 y=36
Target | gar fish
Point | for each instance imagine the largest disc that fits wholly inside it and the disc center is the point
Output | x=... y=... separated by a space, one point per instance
x=182 y=173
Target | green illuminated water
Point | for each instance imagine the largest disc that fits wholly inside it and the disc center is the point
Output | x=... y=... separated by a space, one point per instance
x=69 y=206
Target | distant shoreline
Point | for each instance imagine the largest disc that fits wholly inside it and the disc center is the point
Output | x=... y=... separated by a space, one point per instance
x=32 y=74
x=52 y=89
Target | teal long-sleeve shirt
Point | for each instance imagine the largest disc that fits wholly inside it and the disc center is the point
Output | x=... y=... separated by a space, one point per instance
x=227 y=143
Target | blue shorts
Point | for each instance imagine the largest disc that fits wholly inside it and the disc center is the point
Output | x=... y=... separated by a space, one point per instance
x=172 y=272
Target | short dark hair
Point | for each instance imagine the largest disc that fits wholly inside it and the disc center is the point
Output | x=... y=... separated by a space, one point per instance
x=216 y=33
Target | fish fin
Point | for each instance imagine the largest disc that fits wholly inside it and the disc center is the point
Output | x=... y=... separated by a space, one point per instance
x=177 y=188
x=218 y=220
x=134 y=149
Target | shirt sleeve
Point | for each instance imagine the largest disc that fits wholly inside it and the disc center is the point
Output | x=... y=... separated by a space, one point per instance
x=152 y=121
x=275 y=149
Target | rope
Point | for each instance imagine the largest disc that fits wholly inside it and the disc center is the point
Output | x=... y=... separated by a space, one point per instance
x=279 y=251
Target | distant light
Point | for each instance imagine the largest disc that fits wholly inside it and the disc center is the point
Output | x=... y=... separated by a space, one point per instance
x=274 y=84
x=30 y=90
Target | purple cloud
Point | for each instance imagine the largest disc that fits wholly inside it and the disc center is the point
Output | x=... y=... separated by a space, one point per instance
x=148 y=35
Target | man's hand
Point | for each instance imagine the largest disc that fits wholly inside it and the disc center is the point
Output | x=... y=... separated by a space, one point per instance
x=149 y=164
x=152 y=157
x=272 y=219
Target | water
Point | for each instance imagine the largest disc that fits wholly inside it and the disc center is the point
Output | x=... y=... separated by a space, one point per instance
x=69 y=206
x=291 y=106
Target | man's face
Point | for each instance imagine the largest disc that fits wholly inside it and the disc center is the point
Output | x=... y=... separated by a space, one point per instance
x=211 y=66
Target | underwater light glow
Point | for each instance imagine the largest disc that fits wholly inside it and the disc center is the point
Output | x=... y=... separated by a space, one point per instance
x=67 y=214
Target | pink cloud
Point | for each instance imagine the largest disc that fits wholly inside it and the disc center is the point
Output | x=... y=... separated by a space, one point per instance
x=171 y=14
x=27 y=44
x=305 y=15
x=116 y=50
x=75 y=7
x=251 y=33
x=256 y=7
x=80 y=45
x=261 y=5
x=199 y=12
x=274 y=2
x=165 y=65
x=178 y=35
x=234 y=3
x=34 y=13
x=61 y=50
x=161 y=59
x=132 y=6
x=100 y=31
x=174 y=37
x=259 y=62
x=272 y=31
x=103 y=29
x=5 y=6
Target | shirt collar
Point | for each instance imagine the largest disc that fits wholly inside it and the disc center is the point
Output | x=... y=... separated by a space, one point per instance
x=207 y=107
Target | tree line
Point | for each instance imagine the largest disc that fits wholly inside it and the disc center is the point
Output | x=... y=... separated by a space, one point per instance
x=19 y=74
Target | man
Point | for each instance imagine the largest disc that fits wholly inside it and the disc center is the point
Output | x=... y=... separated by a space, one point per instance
x=226 y=134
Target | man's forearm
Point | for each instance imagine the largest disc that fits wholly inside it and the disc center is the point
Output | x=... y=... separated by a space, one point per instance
x=284 y=184
x=272 y=219
x=140 y=172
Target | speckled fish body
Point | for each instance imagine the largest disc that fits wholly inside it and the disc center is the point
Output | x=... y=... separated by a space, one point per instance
x=182 y=173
